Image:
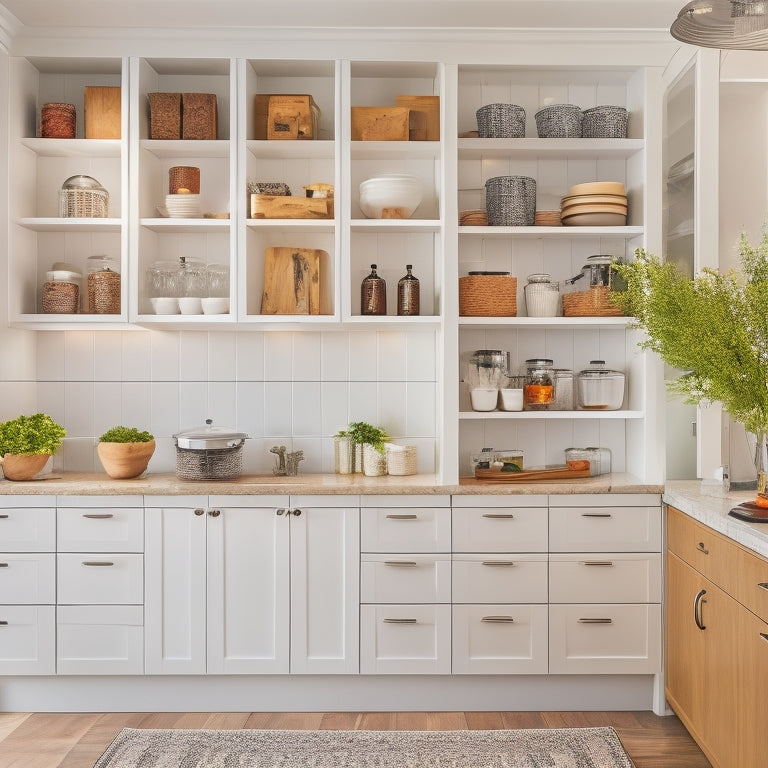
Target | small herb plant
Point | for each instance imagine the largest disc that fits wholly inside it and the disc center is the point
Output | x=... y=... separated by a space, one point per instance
x=363 y=433
x=125 y=435
x=31 y=435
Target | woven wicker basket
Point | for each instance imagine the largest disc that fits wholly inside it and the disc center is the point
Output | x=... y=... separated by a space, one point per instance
x=401 y=460
x=58 y=121
x=488 y=296
x=510 y=201
x=184 y=177
x=500 y=121
x=209 y=463
x=559 y=121
x=605 y=122
x=84 y=203
x=596 y=302
x=60 y=297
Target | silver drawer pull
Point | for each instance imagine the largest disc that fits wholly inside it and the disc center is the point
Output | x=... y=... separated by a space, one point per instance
x=402 y=517
x=595 y=621
x=596 y=514
x=3 y=517
x=98 y=516
x=597 y=562
x=498 y=619
x=499 y=516
x=96 y=562
x=401 y=621
x=499 y=563
x=702 y=548
x=763 y=584
x=3 y=565
x=403 y=563
x=3 y=623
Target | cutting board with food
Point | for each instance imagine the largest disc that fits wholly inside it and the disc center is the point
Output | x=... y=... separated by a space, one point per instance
x=510 y=473
x=292 y=281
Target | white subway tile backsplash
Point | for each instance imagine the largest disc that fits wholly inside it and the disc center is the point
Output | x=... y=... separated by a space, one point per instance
x=51 y=352
x=421 y=409
x=77 y=455
x=307 y=415
x=78 y=408
x=164 y=356
x=137 y=357
x=335 y=356
x=107 y=406
x=164 y=408
x=391 y=356
x=278 y=356
x=249 y=398
x=79 y=357
x=17 y=398
x=222 y=357
x=19 y=358
x=277 y=408
x=392 y=409
x=50 y=400
x=421 y=357
x=362 y=356
x=250 y=356
x=307 y=354
x=193 y=356
x=137 y=410
x=363 y=401
x=335 y=406
x=108 y=356
x=222 y=404
x=193 y=404
x=312 y=448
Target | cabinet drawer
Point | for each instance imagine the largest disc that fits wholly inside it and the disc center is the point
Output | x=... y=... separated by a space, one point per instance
x=26 y=579
x=112 y=529
x=405 y=639
x=104 y=640
x=87 y=579
x=609 y=578
x=500 y=639
x=405 y=529
x=512 y=529
x=27 y=639
x=496 y=579
x=604 y=639
x=710 y=553
x=605 y=529
x=752 y=589
x=28 y=530
x=411 y=579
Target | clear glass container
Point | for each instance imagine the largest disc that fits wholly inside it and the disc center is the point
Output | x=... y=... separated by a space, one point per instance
x=562 y=399
x=103 y=285
x=600 y=388
x=192 y=278
x=217 y=281
x=408 y=290
x=508 y=456
x=542 y=296
x=162 y=280
x=538 y=390
x=485 y=376
x=373 y=294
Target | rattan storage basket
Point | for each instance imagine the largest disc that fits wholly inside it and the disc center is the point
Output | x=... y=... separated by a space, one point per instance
x=559 y=121
x=401 y=460
x=605 y=122
x=60 y=297
x=500 y=121
x=209 y=463
x=596 y=302
x=510 y=201
x=184 y=177
x=485 y=295
x=83 y=197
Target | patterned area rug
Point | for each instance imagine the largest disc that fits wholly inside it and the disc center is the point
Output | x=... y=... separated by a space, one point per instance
x=525 y=748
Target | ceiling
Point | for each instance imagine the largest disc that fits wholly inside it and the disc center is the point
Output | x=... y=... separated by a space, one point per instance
x=33 y=18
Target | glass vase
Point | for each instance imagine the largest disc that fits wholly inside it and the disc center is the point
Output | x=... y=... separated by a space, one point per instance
x=760 y=460
x=344 y=455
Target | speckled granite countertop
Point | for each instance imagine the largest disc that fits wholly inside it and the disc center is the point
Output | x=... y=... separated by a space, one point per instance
x=75 y=484
x=710 y=505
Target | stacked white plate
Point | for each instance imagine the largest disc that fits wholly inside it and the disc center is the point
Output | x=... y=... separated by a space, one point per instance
x=183 y=206
x=595 y=204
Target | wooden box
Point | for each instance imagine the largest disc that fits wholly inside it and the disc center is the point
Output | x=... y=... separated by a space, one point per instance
x=164 y=115
x=102 y=112
x=286 y=116
x=424 y=110
x=292 y=281
x=199 y=116
x=290 y=207
x=380 y=123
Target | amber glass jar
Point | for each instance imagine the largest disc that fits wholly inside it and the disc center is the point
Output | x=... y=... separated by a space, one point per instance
x=373 y=294
x=538 y=390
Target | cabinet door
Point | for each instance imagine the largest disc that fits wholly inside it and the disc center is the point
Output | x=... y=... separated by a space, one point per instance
x=325 y=590
x=248 y=590
x=27 y=639
x=752 y=704
x=175 y=594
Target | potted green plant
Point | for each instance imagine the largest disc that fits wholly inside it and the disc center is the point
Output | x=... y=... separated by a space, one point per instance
x=125 y=452
x=714 y=327
x=373 y=441
x=26 y=444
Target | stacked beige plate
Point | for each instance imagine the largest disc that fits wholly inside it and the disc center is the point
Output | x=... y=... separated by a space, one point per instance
x=547 y=219
x=473 y=218
x=595 y=204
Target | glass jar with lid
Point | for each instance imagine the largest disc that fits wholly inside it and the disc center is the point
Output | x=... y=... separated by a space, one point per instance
x=538 y=390
x=192 y=278
x=542 y=296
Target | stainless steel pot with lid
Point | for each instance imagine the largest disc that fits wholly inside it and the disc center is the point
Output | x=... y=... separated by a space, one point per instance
x=598 y=270
x=207 y=437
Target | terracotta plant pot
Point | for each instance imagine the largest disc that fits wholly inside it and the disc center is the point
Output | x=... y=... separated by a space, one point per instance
x=122 y=461
x=23 y=466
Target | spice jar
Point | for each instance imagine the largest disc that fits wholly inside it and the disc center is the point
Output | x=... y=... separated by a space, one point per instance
x=542 y=296
x=103 y=285
x=373 y=294
x=538 y=390
x=408 y=293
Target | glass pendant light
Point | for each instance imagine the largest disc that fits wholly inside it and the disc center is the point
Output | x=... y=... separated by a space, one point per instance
x=741 y=24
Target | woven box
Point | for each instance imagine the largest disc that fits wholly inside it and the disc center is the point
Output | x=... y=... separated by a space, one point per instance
x=102 y=111
x=596 y=302
x=164 y=115
x=84 y=203
x=605 y=122
x=199 y=116
x=559 y=121
x=510 y=201
x=500 y=121
x=61 y=297
x=401 y=460
x=184 y=177
x=488 y=296
x=286 y=116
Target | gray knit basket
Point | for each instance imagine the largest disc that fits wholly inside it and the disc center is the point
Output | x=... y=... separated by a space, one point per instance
x=605 y=122
x=501 y=121
x=559 y=121
x=510 y=201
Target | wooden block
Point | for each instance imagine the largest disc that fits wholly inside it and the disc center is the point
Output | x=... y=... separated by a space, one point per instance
x=164 y=115
x=199 y=117
x=429 y=107
x=292 y=281
x=102 y=112
x=287 y=207
x=286 y=116
x=380 y=123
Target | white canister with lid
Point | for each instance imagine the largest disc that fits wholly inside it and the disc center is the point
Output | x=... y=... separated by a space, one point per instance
x=542 y=296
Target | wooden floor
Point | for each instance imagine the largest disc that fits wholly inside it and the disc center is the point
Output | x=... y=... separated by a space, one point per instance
x=76 y=740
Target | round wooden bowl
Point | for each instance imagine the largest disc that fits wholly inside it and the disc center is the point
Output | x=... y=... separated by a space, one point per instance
x=122 y=461
x=22 y=466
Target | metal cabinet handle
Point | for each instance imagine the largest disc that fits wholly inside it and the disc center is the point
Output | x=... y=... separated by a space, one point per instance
x=498 y=516
x=697 y=602
x=764 y=635
x=199 y=511
x=3 y=517
x=762 y=585
x=595 y=621
x=702 y=548
x=598 y=562
x=401 y=621
x=596 y=514
x=97 y=562
x=214 y=512
x=98 y=515
x=3 y=565
x=498 y=619
x=3 y=623
x=402 y=517
x=402 y=563
x=498 y=563
x=295 y=512
x=280 y=511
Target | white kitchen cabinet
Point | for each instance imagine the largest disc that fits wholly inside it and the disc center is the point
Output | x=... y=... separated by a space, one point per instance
x=405 y=524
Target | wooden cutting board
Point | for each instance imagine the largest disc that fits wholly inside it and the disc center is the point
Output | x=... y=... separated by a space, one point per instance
x=292 y=281
x=495 y=474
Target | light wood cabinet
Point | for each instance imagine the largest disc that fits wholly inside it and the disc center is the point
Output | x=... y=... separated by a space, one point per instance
x=716 y=647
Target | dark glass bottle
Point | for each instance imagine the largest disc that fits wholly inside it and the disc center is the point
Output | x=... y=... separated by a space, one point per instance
x=408 y=293
x=373 y=294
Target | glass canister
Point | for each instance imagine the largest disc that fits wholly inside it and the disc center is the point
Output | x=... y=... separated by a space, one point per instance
x=538 y=390
x=562 y=399
x=600 y=388
x=542 y=296
x=485 y=376
x=408 y=290
x=103 y=285
x=373 y=294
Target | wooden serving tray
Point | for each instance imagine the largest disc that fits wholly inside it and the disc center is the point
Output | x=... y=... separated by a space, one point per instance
x=494 y=474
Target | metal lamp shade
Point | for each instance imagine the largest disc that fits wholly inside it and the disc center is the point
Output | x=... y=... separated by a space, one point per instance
x=723 y=24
